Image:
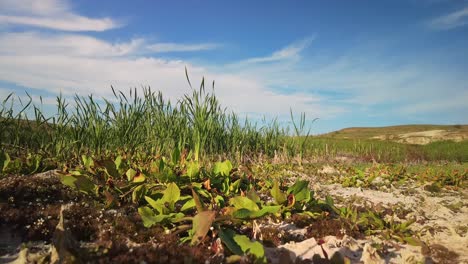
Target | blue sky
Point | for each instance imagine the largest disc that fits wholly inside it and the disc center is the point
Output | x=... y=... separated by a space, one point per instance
x=349 y=63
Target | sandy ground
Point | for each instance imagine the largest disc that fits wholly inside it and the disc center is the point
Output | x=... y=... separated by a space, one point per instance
x=441 y=223
x=435 y=221
x=424 y=137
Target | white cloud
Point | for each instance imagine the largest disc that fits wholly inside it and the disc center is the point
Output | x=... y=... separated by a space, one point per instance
x=358 y=81
x=55 y=63
x=446 y=102
x=34 y=7
x=453 y=20
x=51 y=14
x=67 y=22
x=175 y=47
x=84 y=46
x=84 y=64
x=70 y=44
x=291 y=52
x=78 y=63
x=74 y=63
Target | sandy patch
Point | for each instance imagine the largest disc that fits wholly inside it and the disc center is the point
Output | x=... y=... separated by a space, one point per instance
x=424 y=137
x=441 y=219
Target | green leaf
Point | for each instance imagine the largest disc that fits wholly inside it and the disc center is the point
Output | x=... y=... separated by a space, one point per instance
x=34 y=162
x=247 y=214
x=87 y=162
x=250 y=247
x=413 y=241
x=111 y=170
x=75 y=173
x=139 y=177
x=69 y=181
x=6 y=161
x=313 y=215
x=252 y=195
x=225 y=185
x=201 y=225
x=233 y=259
x=222 y=168
x=227 y=237
x=193 y=169
x=175 y=217
x=242 y=213
x=240 y=202
x=148 y=216
x=219 y=201
x=329 y=201
x=85 y=184
x=80 y=182
x=277 y=194
x=234 y=187
x=171 y=195
x=130 y=174
x=188 y=205
x=118 y=162
x=301 y=191
x=158 y=205
x=138 y=193
x=273 y=209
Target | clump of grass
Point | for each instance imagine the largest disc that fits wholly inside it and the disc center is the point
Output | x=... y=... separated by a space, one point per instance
x=147 y=124
x=446 y=150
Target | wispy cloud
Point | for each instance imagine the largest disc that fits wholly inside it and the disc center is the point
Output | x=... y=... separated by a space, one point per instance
x=68 y=22
x=51 y=14
x=56 y=63
x=175 y=47
x=446 y=103
x=82 y=45
x=34 y=7
x=290 y=52
x=453 y=20
x=356 y=80
x=73 y=45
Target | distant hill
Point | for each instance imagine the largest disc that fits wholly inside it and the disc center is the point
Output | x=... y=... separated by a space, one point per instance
x=411 y=134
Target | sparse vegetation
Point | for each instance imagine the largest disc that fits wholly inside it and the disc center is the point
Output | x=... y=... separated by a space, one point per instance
x=141 y=170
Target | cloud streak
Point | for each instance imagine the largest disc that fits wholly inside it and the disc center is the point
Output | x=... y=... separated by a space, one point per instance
x=77 y=45
x=453 y=20
x=56 y=63
x=74 y=45
x=357 y=81
x=50 y=14
x=290 y=52
x=175 y=47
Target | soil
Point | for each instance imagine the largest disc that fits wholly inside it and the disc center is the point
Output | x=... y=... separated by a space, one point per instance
x=30 y=211
x=32 y=208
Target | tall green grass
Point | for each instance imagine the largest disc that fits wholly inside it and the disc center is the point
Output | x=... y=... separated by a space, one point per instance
x=149 y=124
x=134 y=123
